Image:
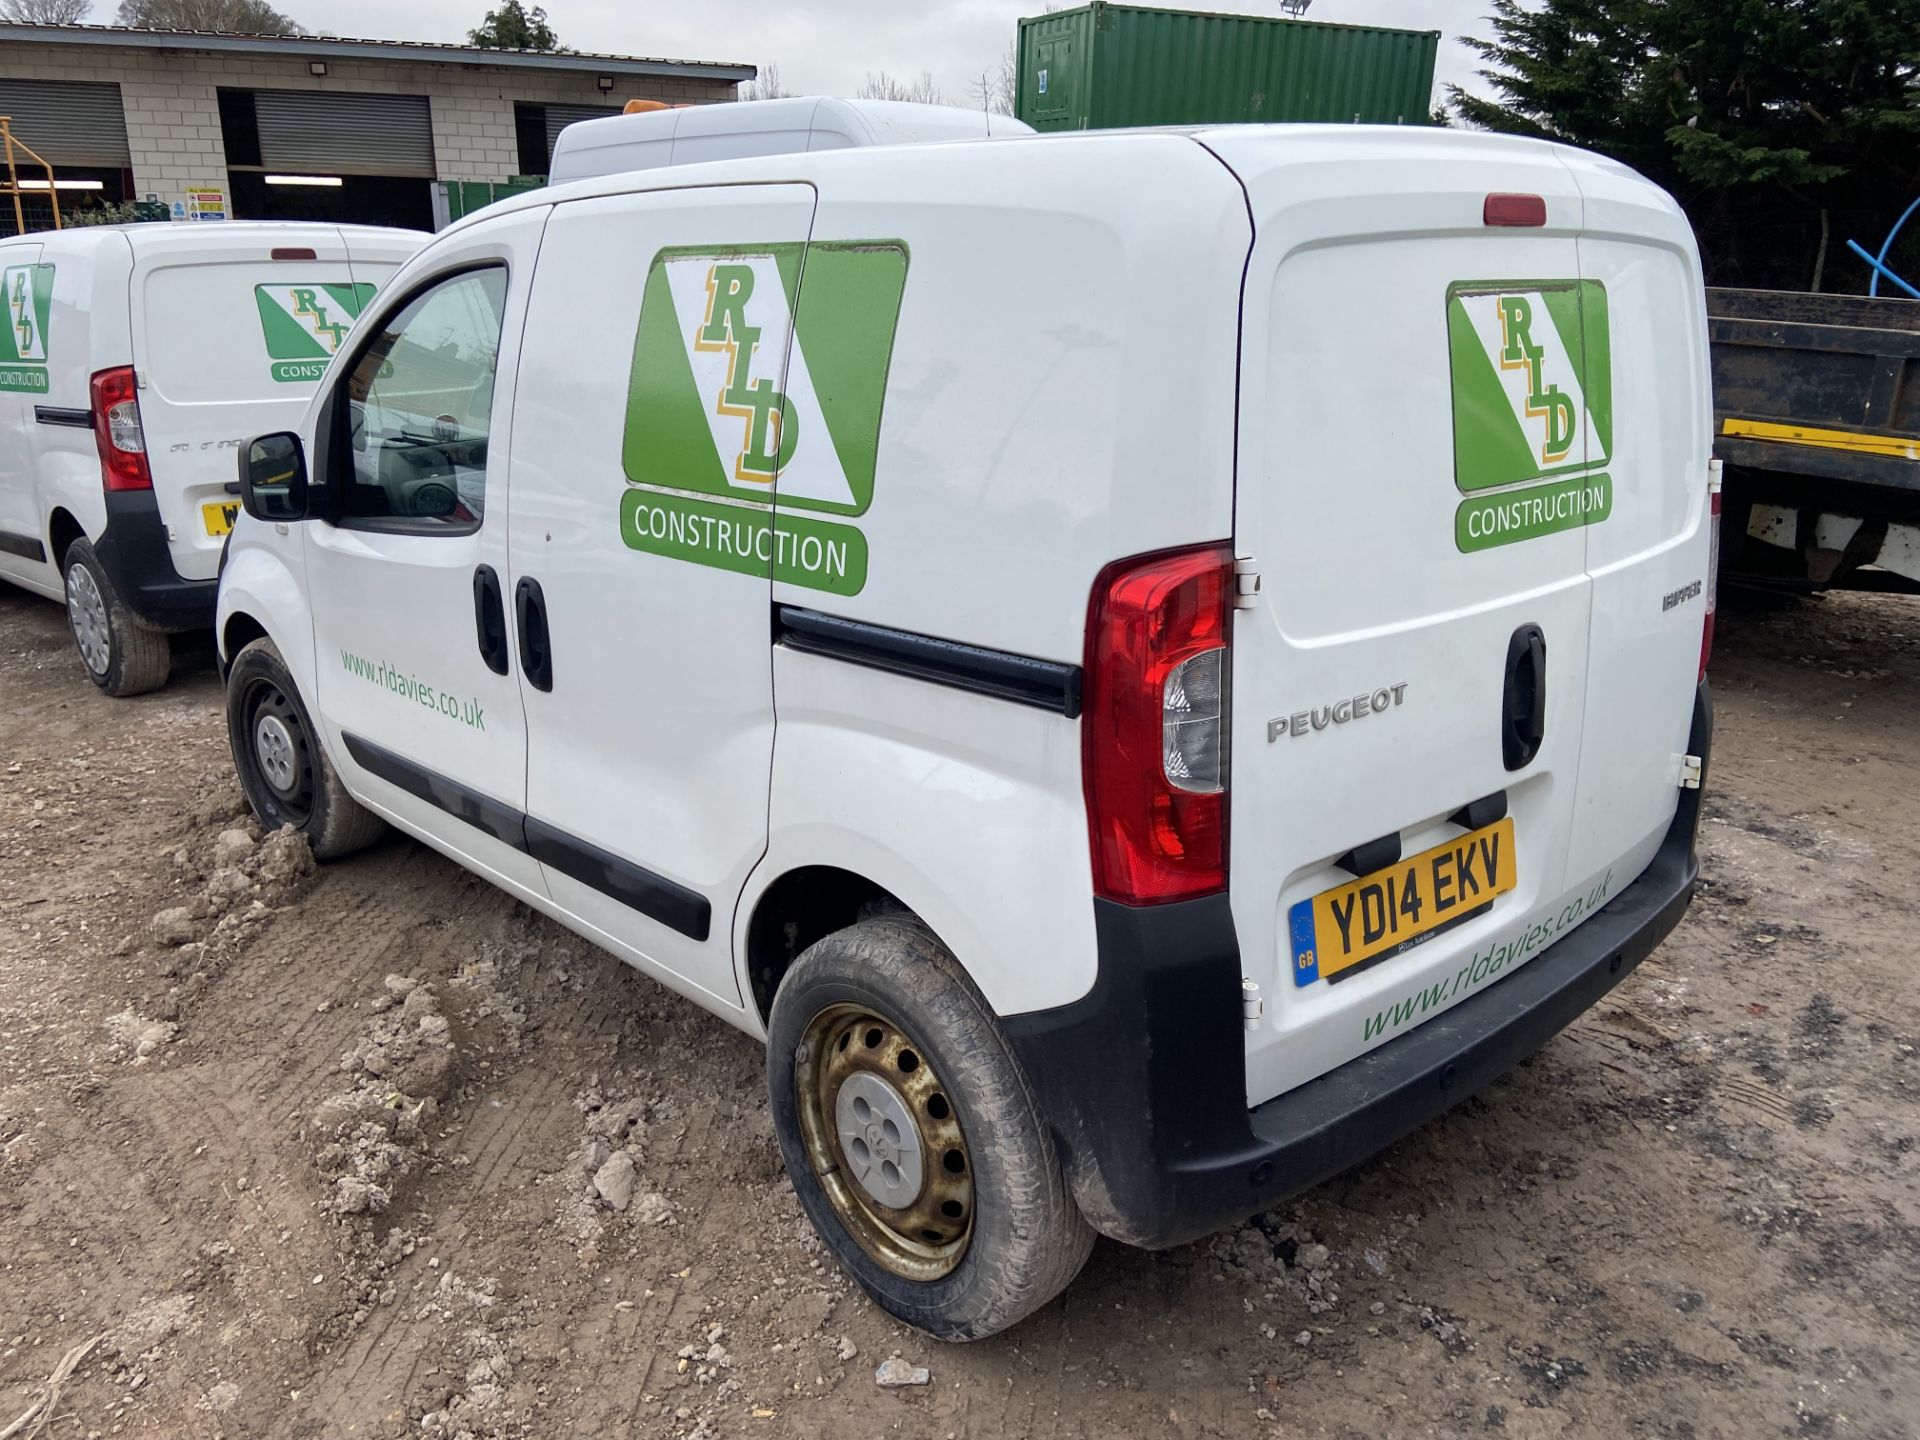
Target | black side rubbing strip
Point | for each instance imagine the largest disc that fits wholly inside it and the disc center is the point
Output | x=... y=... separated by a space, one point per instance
x=61 y=415
x=503 y=822
x=25 y=546
x=1043 y=684
x=674 y=906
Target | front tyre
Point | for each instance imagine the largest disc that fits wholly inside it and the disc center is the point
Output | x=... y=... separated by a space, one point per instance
x=912 y=1137
x=122 y=656
x=283 y=768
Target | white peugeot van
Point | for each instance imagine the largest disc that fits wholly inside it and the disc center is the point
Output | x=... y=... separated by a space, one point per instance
x=1145 y=665
x=134 y=362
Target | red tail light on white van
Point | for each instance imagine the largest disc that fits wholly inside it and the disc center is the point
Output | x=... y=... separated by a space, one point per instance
x=1154 y=729
x=116 y=430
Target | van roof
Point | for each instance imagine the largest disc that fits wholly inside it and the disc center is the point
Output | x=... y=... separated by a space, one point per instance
x=1279 y=146
x=615 y=143
x=149 y=236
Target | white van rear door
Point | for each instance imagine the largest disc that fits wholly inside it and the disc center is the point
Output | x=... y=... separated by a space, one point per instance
x=1409 y=690
x=230 y=339
x=1649 y=559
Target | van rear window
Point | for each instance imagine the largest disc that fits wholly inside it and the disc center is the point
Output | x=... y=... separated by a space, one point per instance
x=253 y=332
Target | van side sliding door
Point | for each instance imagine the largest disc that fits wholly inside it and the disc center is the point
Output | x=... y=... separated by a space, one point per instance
x=650 y=425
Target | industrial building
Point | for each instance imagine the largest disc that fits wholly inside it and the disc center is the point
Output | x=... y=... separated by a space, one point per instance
x=310 y=127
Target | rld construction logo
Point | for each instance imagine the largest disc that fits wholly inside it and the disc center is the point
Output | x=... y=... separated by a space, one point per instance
x=1532 y=408
x=735 y=394
x=304 y=325
x=23 y=342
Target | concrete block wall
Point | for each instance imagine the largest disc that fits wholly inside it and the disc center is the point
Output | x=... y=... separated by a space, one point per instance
x=173 y=117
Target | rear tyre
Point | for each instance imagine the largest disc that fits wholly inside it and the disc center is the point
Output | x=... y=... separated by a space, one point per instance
x=122 y=655
x=283 y=768
x=912 y=1137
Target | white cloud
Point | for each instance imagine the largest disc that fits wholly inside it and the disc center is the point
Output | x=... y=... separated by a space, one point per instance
x=828 y=46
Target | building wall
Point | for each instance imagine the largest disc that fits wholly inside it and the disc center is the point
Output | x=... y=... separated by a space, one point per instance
x=173 y=119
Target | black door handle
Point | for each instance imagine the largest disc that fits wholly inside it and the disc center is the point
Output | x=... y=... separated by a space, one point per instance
x=1523 y=702
x=530 y=615
x=490 y=619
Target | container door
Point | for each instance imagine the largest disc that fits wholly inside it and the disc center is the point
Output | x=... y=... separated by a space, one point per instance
x=1409 y=692
x=1646 y=326
x=647 y=437
x=230 y=341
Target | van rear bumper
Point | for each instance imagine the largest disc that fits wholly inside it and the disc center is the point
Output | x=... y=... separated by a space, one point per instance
x=1144 y=1080
x=133 y=551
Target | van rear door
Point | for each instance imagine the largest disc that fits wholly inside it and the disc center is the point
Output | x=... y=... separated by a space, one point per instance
x=1650 y=561
x=1414 y=483
x=231 y=335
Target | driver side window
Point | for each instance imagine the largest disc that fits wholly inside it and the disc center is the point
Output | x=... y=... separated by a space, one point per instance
x=419 y=401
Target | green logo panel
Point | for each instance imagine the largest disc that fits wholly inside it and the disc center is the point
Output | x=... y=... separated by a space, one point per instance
x=23 y=338
x=1532 y=376
x=761 y=369
x=304 y=324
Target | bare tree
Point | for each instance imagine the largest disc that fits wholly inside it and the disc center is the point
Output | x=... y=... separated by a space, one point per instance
x=879 y=85
x=236 y=17
x=766 y=85
x=999 y=88
x=45 y=12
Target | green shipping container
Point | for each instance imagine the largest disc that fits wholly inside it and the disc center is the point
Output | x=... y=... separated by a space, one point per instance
x=1105 y=65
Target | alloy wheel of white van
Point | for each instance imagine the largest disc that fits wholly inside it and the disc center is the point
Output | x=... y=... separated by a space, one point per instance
x=87 y=615
x=886 y=1142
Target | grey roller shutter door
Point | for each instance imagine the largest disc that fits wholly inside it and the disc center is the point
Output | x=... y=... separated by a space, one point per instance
x=316 y=132
x=69 y=122
x=561 y=116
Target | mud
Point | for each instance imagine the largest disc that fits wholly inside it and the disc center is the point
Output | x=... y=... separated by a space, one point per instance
x=322 y=1154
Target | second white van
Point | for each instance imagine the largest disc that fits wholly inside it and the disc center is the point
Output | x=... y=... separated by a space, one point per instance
x=1144 y=665
x=134 y=362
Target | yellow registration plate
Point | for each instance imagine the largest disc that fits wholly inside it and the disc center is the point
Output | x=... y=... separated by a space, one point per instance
x=219 y=518
x=1381 y=914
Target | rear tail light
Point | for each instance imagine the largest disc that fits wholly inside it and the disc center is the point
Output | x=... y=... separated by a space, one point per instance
x=1154 y=732
x=1713 y=563
x=116 y=430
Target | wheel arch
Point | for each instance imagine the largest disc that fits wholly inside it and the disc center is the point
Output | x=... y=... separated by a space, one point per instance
x=801 y=906
x=62 y=530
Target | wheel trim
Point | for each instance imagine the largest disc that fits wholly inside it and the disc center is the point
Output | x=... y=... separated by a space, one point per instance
x=273 y=747
x=87 y=617
x=917 y=1220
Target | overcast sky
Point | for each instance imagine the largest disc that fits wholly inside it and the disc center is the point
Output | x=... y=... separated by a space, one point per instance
x=828 y=46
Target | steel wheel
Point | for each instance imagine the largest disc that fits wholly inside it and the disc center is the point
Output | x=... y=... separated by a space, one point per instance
x=885 y=1141
x=279 y=749
x=87 y=615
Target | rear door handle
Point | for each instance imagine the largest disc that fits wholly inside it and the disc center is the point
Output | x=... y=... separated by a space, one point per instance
x=1523 y=700
x=490 y=619
x=530 y=616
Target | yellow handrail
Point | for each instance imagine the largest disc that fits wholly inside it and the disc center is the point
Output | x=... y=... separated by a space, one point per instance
x=12 y=188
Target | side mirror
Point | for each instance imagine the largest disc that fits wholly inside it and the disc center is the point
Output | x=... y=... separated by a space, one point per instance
x=273 y=478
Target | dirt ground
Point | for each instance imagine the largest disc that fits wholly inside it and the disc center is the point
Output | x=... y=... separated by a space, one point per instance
x=308 y=1151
